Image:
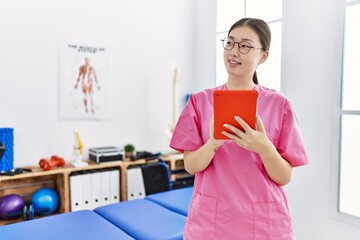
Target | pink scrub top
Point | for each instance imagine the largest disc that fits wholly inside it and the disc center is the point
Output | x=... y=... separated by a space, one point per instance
x=234 y=198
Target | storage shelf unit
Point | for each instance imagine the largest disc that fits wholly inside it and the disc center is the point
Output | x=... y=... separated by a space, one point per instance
x=25 y=184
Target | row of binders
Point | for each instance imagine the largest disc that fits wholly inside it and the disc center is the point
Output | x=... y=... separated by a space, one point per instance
x=92 y=189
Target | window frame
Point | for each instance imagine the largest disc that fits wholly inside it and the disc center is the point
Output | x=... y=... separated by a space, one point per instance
x=340 y=112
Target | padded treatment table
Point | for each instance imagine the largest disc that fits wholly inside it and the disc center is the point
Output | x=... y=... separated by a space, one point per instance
x=177 y=200
x=83 y=224
x=143 y=219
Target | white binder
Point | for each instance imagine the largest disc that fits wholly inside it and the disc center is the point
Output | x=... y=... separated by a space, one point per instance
x=76 y=192
x=135 y=184
x=86 y=193
x=105 y=187
x=115 y=186
x=96 y=193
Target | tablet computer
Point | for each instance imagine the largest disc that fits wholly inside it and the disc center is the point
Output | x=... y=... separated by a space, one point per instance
x=231 y=103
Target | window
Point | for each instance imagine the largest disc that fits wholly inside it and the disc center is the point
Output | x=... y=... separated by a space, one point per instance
x=349 y=180
x=228 y=12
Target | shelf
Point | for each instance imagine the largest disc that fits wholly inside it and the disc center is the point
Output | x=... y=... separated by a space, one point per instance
x=25 y=184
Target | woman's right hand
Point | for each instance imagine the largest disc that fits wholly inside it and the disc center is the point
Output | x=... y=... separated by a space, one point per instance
x=215 y=141
x=198 y=160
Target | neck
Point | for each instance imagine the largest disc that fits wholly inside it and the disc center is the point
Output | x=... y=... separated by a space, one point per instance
x=239 y=85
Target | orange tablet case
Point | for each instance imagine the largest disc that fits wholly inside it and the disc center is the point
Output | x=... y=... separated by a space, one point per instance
x=231 y=103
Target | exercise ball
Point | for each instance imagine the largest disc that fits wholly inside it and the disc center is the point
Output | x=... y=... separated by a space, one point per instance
x=45 y=201
x=11 y=206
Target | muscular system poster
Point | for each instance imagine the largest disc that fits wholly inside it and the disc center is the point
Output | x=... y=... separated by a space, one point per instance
x=84 y=82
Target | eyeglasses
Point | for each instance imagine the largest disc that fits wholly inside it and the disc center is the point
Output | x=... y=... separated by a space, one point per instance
x=243 y=46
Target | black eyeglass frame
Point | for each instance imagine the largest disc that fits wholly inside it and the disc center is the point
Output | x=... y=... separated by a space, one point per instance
x=247 y=48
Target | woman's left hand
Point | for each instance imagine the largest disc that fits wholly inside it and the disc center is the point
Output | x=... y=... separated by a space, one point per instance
x=250 y=139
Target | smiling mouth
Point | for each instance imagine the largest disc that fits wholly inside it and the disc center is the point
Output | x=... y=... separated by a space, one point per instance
x=234 y=62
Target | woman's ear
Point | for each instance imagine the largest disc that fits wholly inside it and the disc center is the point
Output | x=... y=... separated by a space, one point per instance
x=265 y=55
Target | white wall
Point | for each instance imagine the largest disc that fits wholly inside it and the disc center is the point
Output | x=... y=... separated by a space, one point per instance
x=165 y=31
x=145 y=37
x=312 y=76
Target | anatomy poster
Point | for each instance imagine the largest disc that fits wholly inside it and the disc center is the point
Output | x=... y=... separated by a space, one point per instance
x=84 y=82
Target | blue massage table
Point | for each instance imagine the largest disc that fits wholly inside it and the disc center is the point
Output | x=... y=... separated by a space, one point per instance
x=159 y=216
x=144 y=219
x=83 y=224
x=175 y=200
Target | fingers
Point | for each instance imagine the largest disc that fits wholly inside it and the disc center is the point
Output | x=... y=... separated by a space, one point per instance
x=237 y=132
x=236 y=135
x=242 y=123
x=259 y=124
x=229 y=135
x=247 y=137
x=242 y=137
x=212 y=132
x=233 y=129
x=212 y=128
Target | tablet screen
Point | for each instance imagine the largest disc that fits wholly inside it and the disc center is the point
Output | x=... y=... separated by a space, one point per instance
x=231 y=103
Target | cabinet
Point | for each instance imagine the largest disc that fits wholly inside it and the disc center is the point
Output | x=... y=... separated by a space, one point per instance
x=25 y=184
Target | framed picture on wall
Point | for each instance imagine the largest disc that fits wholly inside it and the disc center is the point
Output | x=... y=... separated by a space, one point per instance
x=83 y=82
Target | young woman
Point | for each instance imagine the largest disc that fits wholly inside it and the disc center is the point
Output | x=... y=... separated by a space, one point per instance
x=238 y=182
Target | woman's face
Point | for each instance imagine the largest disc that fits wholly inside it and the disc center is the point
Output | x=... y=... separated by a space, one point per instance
x=239 y=65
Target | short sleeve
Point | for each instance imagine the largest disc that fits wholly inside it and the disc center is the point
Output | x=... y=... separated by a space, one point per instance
x=291 y=144
x=187 y=133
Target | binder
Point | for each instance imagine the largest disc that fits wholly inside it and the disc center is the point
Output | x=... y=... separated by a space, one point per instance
x=105 y=187
x=96 y=194
x=114 y=186
x=76 y=192
x=135 y=184
x=86 y=191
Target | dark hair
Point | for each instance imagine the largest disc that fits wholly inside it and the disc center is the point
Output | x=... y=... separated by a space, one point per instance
x=261 y=28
